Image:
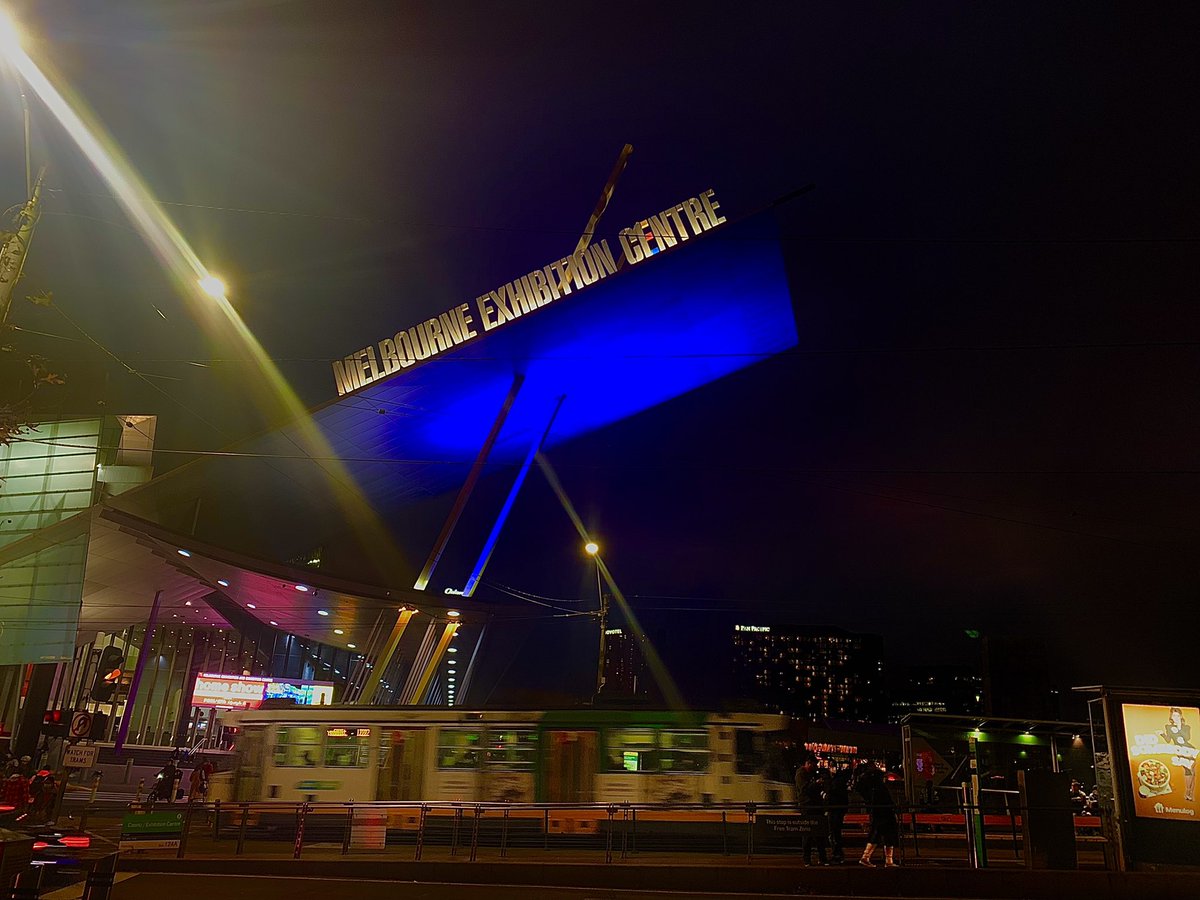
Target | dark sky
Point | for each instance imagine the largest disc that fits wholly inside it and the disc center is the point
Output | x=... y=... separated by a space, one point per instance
x=991 y=420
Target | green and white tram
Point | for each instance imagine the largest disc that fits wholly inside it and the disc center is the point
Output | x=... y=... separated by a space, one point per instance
x=340 y=753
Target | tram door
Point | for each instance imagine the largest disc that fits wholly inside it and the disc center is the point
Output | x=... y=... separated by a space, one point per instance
x=570 y=766
x=401 y=764
x=251 y=746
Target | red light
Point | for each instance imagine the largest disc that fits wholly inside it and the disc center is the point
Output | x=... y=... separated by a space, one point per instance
x=40 y=845
x=76 y=840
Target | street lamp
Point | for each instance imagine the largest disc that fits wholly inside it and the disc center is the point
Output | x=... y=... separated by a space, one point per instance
x=592 y=549
x=213 y=286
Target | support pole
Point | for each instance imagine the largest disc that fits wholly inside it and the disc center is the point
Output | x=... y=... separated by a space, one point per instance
x=605 y=196
x=490 y=544
x=127 y=714
x=464 y=493
x=385 y=656
x=435 y=659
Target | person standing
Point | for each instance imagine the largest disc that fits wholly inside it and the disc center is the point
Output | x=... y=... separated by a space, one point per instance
x=810 y=798
x=838 y=801
x=883 y=828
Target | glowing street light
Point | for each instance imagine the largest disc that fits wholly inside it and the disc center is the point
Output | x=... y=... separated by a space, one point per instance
x=10 y=35
x=213 y=286
x=592 y=548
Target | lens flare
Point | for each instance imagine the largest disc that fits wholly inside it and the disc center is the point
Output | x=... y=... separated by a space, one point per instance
x=270 y=390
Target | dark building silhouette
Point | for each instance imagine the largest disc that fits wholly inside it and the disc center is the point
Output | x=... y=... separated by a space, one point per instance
x=814 y=673
x=625 y=673
x=957 y=690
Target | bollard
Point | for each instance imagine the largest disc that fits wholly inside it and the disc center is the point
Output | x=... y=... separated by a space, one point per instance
x=95 y=787
x=241 y=844
x=301 y=815
x=137 y=797
x=128 y=770
x=100 y=879
x=751 y=808
x=29 y=884
x=421 y=830
x=216 y=820
x=475 y=834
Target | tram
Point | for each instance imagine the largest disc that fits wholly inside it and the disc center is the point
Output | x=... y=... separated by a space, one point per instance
x=343 y=753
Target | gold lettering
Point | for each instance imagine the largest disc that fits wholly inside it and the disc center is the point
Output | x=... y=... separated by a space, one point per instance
x=584 y=268
x=662 y=233
x=365 y=365
x=420 y=342
x=485 y=313
x=387 y=356
x=437 y=340
x=686 y=209
x=341 y=378
x=639 y=233
x=531 y=298
x=633 y=251
x=450 y=326
x=711 y=206
x=516 y=298
x=404 y=349
x=503 y=313
x=550 y=285
x=541 y=290
x=680 y=229
x=603 y=258
x=462 y=312
x=563 y=272
x=698 y=213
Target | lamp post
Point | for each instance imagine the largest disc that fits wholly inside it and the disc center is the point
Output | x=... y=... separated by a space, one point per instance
x=593 y=549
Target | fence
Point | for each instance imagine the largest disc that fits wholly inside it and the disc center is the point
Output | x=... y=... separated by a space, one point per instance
x=612 y=832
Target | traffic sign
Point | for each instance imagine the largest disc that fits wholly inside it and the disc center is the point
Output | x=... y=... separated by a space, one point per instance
x=81 y=723
x=80 y=756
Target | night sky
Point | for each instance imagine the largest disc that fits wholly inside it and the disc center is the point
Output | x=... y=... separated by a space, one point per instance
x=991 y=419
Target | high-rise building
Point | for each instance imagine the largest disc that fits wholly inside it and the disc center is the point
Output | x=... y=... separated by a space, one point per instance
x=815 y=673
x=957 y=690
x=624 y=664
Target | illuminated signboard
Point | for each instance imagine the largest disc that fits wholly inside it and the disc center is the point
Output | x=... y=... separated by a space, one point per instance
x=758 y=629
x=1162 y=760
x=216 y=691
x=467 y=321
x=840 y=749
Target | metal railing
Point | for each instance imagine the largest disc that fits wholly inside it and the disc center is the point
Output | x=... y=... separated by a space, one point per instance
x=750 y=832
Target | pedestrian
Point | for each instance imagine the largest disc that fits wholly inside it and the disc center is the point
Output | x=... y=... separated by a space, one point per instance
x=883 y=829
x=198 y=784
x=838 y=801
x=810 y=798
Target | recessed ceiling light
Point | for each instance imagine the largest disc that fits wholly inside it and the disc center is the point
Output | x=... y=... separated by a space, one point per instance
x=275 y=623
x=302 y=587
x=187 y=602
x=453 y=613
x=452 y=650
x=351 y=646
x=251 y=606
x=322 y=612
x=338 y=631
x=451 y=671
x=183 y=552
x=222 y=582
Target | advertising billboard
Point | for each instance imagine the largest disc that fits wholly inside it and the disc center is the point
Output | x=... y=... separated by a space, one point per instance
x=216 y=691
x=1162 y=754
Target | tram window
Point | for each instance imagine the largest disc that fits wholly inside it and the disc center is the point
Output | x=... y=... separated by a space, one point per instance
x=297 y=745
x=347 y=748
x=511 y=750
x=683 y=751
x=630 y=750
x=458 y=748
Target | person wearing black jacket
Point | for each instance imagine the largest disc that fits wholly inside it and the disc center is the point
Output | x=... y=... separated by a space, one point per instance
x=838 y=801
x=810 y=798
x=871 y=786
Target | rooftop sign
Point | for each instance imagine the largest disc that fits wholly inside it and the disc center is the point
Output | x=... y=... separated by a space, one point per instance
x=465 y=322
x=216 y=691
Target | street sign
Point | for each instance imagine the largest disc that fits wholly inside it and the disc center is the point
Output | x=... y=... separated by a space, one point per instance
x=81 y=756
x=81 y=724
x=152 y=823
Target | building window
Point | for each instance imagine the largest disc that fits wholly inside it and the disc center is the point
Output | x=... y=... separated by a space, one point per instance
x=347 y=748
x=513 y=750
x=458 y=748
x=297 y=745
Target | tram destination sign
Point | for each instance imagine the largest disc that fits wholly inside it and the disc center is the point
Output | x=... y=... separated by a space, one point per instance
x=465 y=322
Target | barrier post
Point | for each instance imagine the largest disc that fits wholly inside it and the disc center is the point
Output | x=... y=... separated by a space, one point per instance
x=916 y=842
x=454 y=831
x=612 y=810
x=241 y=843
x=95 y=787
x=475 y=832
x=751 y=808
x=301 y=815
x=546 y=828
x=504 y=835
x=216 y=820
x=187 y=825
x=724 y=834
x=346 y=830
x=421 y=830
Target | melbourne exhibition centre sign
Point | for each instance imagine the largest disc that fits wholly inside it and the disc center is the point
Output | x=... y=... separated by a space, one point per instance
x=521 y=296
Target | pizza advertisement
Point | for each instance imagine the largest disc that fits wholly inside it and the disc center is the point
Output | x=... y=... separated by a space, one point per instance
x=1162 y=745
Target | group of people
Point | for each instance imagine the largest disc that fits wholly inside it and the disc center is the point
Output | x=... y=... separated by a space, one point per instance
x=171 y=774
x=1085 y=803
x=30 y=793
x=823 y=796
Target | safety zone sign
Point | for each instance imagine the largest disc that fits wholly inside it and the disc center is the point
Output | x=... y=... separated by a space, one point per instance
x=81 y=756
